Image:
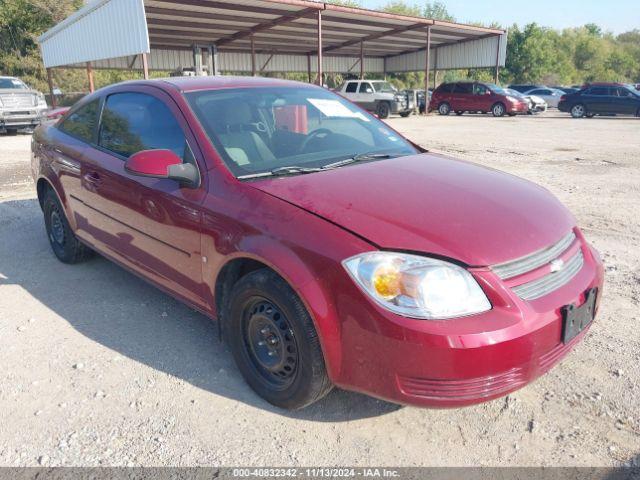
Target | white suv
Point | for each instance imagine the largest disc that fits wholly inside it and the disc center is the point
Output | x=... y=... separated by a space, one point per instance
x=378 y=96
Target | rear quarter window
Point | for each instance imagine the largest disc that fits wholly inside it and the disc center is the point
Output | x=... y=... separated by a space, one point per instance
x=82 y=122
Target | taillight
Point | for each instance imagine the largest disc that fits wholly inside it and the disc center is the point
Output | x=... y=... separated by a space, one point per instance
x=563 y=98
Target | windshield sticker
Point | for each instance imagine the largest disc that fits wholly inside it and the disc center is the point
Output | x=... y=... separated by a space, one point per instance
x=333 y=108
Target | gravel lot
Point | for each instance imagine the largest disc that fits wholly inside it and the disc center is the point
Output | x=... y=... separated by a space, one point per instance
x=99 y=368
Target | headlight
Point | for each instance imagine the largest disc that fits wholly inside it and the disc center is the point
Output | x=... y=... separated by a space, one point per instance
x=513 y=99
x=417 y=287
x=41 y=102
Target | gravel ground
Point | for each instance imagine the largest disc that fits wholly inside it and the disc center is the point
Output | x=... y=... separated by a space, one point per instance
x=99 y=368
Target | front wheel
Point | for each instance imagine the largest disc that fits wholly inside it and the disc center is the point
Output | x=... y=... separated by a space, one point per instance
x=405 y=114
x=498 y=110
x=274 y=341
x=63 y=241
x=578 y=111
x=444 y=109
x=383 y=110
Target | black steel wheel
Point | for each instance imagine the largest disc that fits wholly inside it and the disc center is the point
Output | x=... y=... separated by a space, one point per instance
x=270 y=342
x=63 y=241
x=274 y=341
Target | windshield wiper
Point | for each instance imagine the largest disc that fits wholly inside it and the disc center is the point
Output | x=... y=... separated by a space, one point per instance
x=361 y=157
x=297 y=170
x=280 y=171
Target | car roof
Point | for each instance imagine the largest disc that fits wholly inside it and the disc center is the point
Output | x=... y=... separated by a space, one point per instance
x=190 y=84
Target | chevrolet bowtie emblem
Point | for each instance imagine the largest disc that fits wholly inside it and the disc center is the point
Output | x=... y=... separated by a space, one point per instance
x=557 y=265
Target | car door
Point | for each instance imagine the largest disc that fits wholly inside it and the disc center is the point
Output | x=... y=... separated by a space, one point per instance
x=482 y=98
x=626 y=102
x=461 y=97
x=351 y=91
x=151 y=225
x=366 y=96
x=597 y=100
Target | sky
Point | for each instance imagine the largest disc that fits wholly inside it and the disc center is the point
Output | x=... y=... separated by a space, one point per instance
x=616 y=16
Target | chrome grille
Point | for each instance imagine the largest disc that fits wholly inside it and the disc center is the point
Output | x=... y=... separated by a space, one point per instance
x=18 y=100
x=552 y=281
x=535 y=260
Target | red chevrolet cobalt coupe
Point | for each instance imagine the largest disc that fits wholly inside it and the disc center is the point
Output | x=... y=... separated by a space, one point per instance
x=331 y=250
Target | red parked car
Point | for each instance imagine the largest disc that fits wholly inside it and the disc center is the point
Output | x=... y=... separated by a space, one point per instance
x=475 y=97
x=331 y=250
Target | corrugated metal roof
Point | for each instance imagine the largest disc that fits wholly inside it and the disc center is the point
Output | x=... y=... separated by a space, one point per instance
x=286 y=29
x=101 y=29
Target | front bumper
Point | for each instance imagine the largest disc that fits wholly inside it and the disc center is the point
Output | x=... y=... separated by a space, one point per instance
x=459 y=362
x=517 y=107
x=398 y=107
x=21 y=118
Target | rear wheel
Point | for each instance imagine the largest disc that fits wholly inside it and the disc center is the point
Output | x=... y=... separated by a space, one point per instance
x=444 y=108
x=578 y=111
x=383 y=110
x=274 y=341
x=498 y=110
x=63 y=241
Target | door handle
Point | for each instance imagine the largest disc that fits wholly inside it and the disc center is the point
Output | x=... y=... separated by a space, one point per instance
x=92 y=178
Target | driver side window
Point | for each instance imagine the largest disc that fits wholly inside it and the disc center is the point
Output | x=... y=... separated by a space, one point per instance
x=365 y=87
x=132 y=122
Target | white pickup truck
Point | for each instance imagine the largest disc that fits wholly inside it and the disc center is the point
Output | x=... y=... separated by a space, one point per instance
x=20 y=106
x=378 y=96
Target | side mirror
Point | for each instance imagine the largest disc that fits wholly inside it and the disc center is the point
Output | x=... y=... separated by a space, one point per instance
x=162 y=164
x=487 y=92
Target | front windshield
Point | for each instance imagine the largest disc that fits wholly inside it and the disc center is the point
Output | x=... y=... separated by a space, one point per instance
x=258 y=130
x=496 y=89
x=12 y=83
x=383 y=87
x=514 y=93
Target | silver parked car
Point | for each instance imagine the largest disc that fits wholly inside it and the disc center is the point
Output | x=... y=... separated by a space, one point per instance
x=20 y=106
x=549 y=95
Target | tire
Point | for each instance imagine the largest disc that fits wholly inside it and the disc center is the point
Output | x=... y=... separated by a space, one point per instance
x=383 y=110
x=578 y=111
x=405 y=114
x=459 y=112
x=444 y=108
x=498 y=109
x=274 y=341
x=63 y=241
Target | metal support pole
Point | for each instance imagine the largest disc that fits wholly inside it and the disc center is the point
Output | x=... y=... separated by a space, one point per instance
x=253 y=56
x=435 y=69
x=361 y=60
x=213 y=49
x=427 y=59
x=384 y=67
x=320 y=47
x=145 y=66
x=197 y=59
x=309 y=67
x=92 y=87
x=54 y=102
x=496 y=76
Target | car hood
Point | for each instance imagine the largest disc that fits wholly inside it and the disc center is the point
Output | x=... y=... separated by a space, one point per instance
x=17 y=91
x=432 y=204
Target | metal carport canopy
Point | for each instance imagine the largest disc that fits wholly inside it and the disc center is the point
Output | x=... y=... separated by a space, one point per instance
x=264 y=36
